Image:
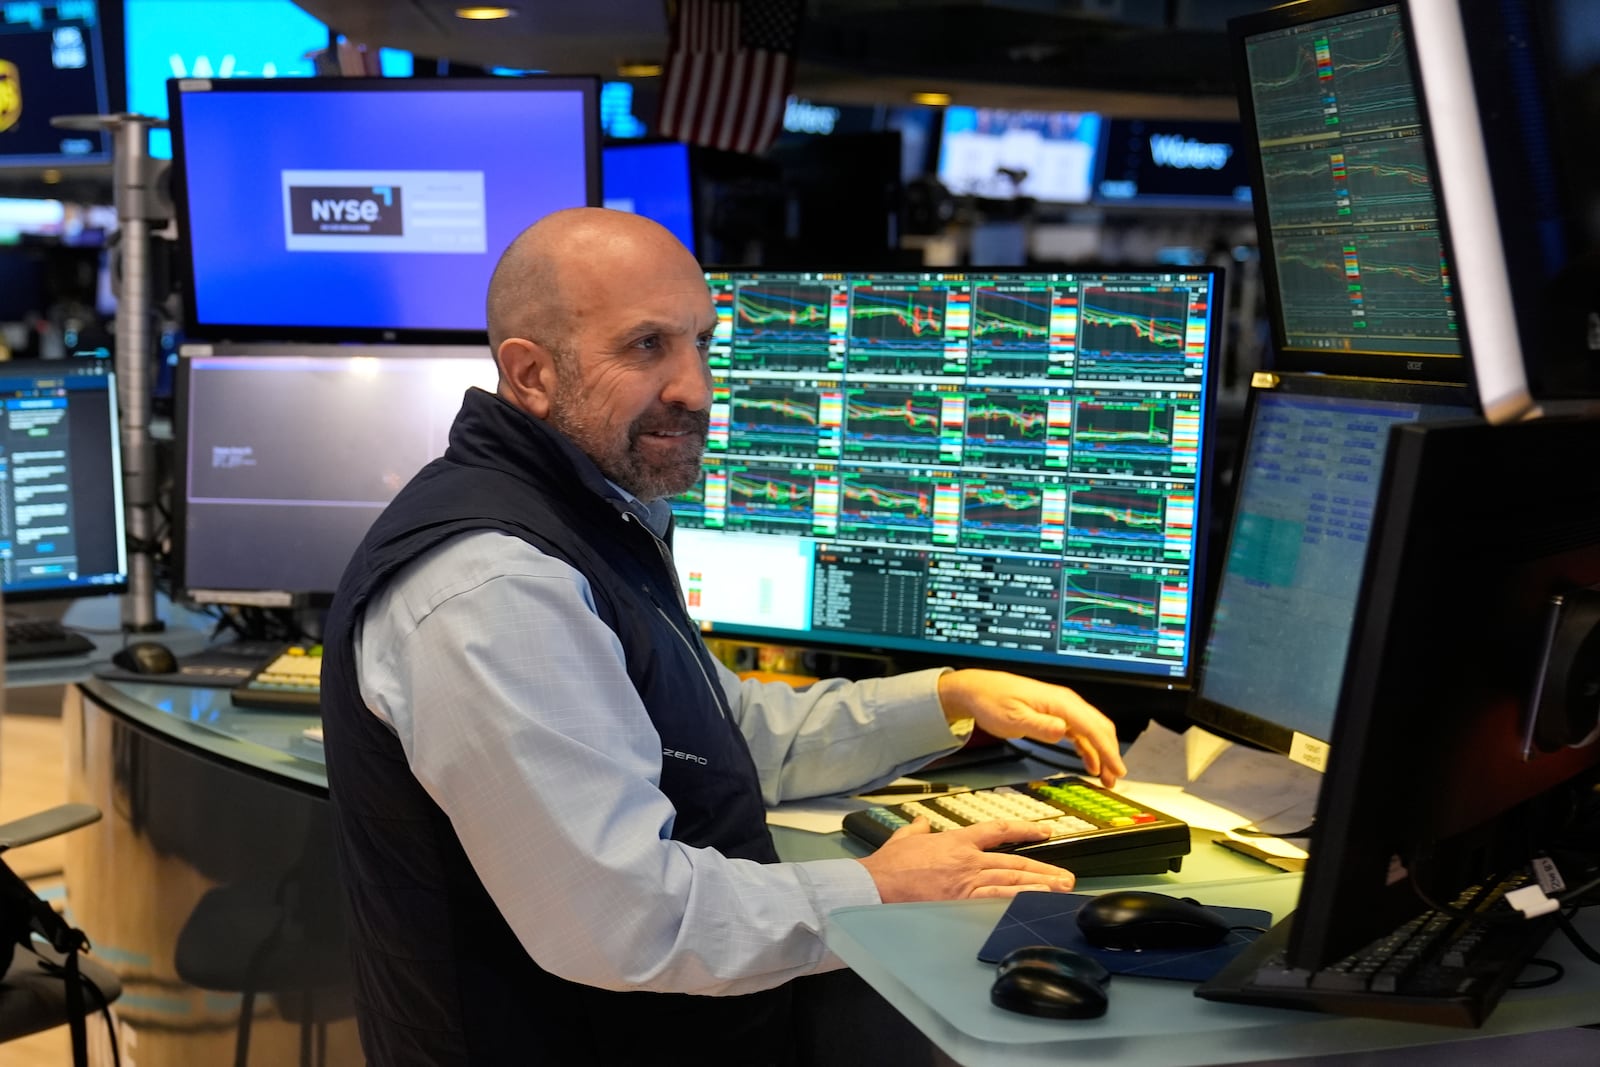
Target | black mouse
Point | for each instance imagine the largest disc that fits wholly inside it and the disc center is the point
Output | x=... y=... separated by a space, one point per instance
x=146 y=657
x=1131 y=919
x=1052 y=982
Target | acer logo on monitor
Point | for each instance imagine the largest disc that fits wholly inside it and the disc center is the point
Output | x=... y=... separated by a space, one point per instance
x=371 y=210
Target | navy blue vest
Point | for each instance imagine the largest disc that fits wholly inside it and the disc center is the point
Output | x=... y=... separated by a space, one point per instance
x=439 y=976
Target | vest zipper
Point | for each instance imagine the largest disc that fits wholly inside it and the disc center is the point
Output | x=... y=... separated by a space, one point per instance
x=672 y=572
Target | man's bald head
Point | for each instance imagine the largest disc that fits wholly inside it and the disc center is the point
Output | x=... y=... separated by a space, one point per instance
x=537 y=289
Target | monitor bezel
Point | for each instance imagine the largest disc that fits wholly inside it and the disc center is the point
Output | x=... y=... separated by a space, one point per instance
x=588 y=86
x=1454 y=369
x=1076 y=674
x=113 y=94
x=75 y=590
x=1234 y=722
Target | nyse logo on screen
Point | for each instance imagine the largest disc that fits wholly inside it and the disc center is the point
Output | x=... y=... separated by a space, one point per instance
x=358 y=210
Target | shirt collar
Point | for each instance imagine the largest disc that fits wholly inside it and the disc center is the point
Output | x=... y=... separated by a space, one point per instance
x=657 y=514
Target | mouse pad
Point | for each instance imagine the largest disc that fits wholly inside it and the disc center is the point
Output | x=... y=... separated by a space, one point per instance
x=1052 y=919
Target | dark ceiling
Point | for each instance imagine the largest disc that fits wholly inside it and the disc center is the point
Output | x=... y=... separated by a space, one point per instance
x=1166 y=57
x=1126 y=58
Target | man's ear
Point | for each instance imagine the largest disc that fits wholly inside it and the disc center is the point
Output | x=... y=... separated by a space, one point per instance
x=527 y=375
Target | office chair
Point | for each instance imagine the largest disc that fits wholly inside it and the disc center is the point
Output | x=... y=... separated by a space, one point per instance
x=45 y=984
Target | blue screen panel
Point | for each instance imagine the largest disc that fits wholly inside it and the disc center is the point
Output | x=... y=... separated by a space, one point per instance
x=315 y=208
x=652 y=180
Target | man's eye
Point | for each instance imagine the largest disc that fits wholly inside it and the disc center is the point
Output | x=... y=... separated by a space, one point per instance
x=648 y=342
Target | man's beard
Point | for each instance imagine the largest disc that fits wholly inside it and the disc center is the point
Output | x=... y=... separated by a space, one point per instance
x=619 y=456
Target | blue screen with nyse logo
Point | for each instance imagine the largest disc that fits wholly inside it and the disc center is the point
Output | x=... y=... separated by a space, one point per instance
x=313 y=209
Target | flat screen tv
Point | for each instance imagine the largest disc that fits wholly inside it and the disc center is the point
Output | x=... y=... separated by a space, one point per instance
x=367 y=209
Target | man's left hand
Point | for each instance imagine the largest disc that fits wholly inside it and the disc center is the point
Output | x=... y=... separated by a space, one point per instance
x=1008 y=705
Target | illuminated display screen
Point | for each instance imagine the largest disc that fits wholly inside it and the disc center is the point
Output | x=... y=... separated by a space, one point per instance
x=1003 y=465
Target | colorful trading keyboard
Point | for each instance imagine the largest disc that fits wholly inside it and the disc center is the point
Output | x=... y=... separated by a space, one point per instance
x=291 y=682
x=1094 y=831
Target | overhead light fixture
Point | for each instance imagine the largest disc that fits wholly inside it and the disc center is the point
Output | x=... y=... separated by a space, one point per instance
x=638 y=70
x=931 y=99
x=484 y=14
x=51 y=176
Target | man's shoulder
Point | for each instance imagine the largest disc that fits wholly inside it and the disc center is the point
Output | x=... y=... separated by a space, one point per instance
x=477 y=556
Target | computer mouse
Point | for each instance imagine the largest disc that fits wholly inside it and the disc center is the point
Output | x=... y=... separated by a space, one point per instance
x=1132 y=919
x=146 y=657
x=1055 y=983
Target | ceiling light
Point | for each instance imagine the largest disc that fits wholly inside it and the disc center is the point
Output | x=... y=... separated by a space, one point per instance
x=638 y=70
x=931 y=99
x=483 y=14
x=51 y=176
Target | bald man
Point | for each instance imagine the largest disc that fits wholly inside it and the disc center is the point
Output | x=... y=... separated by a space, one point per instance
x=549 y=797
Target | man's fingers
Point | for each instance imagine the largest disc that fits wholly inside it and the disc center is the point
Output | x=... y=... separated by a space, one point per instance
x=996 y=832
x=1034 y=876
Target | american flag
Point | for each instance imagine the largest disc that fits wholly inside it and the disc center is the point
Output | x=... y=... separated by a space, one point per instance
x=729 y=67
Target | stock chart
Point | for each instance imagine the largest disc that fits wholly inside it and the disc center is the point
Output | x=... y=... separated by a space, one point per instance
x=1005 y=461
x=1355 y=244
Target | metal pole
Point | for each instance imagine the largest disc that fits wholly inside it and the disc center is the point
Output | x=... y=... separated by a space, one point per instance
x=138 y=204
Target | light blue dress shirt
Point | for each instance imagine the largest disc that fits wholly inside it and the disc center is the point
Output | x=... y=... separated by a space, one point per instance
x=513 y=704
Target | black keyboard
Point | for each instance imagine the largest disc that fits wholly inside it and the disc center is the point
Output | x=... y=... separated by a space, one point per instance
x=1435 y=968
x=1094 y=830
x=32 y=638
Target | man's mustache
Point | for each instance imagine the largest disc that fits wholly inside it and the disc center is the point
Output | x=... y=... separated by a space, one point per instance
x=680 y=420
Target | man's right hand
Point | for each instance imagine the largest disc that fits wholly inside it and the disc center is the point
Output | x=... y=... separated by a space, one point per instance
x=918 y=864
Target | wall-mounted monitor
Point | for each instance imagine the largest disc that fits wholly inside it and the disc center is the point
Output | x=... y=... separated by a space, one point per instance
x=654 y=179
x=1001 y=155
x=1178 y=164
x=280 y=472
x=221 y=39
x=348 y=209
x=58 y=58
x=1001 y=466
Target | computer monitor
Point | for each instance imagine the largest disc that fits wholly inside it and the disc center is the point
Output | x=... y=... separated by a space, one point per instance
x=1478 y=528
x=1165 y=163
x=350 y=209
x=1355 y=254
x=60 y=58
x=285 y=459
x=1010 y=467
x=1302 y=518
x=221 y=39
x=1000 y=155
x=653 y=179
x=62 y=531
